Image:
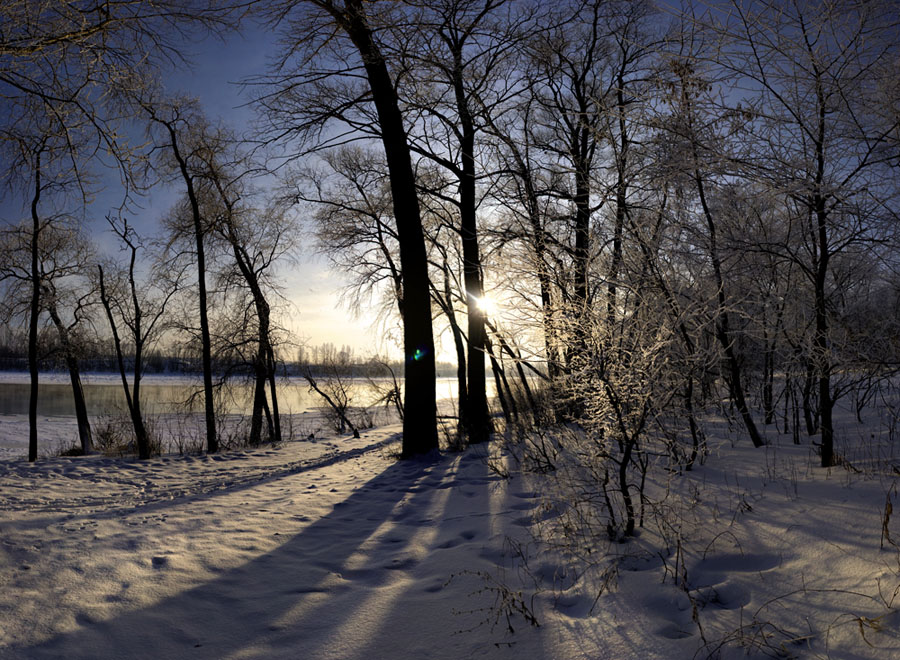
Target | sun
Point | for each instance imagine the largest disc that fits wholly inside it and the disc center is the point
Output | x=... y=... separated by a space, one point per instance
x=487 y=304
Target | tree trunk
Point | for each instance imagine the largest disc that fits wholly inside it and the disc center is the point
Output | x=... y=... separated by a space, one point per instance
x=34 y=314
x=723 y=331
x=81 y=415
x=820 y=340
x=478 y=420
x=273 y=387
x=539 y=245
x=621 y=197
x=259 y=397
x=265 y=365
x=419 y=420
x=501 y=395
x=212 y=443
x=582 y=229
x=823 y=250
x=768 y=387
x=445 y=302
x=132 y=399
x=810 y=407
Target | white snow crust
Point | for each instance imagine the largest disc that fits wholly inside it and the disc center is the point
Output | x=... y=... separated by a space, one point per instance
x=331 y=549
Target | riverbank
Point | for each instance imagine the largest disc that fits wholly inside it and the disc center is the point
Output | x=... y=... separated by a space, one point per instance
x=179 y=427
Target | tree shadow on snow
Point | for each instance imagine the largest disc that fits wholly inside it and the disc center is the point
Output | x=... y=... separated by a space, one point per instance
x=276 y=605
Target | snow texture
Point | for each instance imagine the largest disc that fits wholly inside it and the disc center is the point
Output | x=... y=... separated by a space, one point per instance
x=332 y=549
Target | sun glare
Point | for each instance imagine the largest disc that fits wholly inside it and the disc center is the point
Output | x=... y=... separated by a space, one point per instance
x=486 y=304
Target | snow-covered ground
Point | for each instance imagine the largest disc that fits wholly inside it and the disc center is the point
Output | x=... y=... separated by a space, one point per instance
x=331 y=548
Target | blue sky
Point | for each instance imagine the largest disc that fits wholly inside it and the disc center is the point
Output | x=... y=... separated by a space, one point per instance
x=311 y=287
x=213 y=75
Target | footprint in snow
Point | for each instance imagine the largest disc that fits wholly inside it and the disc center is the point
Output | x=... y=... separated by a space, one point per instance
x=434 y=587
x=554 y=574
x=727 y=596
x=576 y=606
x=674 y=631
x=638 y=564
x=493 y=555
x=466 y=535
x=402 y=563
x=84 y=619
x=746 y=563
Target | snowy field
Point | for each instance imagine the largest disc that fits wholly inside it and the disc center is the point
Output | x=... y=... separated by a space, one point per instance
x=332 y=549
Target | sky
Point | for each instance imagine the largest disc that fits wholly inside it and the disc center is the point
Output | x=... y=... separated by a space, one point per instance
x=315 y=314
x=312 y=288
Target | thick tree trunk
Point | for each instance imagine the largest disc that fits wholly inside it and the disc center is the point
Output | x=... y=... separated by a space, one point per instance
x=419 y=421
x=34 y=314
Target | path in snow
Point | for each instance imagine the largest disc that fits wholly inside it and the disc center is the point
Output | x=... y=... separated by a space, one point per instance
x=257 y=554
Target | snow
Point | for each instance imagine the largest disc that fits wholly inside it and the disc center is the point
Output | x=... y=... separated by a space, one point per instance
x=330 y=548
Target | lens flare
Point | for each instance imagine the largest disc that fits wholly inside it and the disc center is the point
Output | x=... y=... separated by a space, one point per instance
x=486 y=304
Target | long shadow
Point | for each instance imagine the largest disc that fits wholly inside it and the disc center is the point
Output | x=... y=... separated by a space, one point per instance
x=447 y=599
x=166 y=501
x=245 y=608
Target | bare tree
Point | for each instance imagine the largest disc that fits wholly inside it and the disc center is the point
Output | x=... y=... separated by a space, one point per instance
x=66 y=289
x=76 y=57
x=177 y=128
x=256 y=238
x=353 y=223
x=819 y=141
x=319 y=26
x=570 y=88
x=136 y=314
x=39 y=165
x=703 y=150
x=332 y=380
x=460 y=57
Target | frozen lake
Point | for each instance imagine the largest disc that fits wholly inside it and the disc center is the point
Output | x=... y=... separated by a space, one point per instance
x=170 y=394
x=164 y=397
